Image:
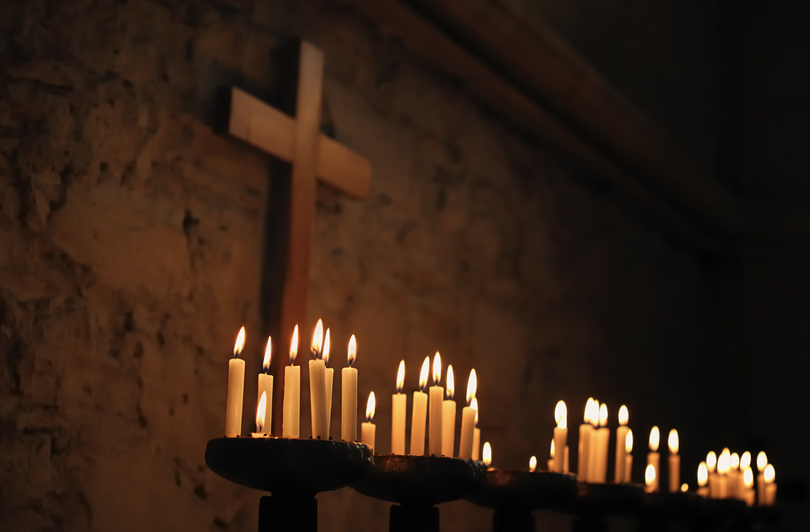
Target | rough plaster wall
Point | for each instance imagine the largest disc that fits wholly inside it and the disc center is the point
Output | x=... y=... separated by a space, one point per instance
x=132 y=243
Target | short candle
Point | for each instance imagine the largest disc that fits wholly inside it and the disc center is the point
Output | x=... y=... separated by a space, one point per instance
x=368 y=431
x=266 y=388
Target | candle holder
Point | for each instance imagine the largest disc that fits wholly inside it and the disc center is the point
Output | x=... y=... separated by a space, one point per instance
x=720 y=514
x=597 y=501
x=660 y=508
x=515 y=494
x=417 y=484
x=292 y=470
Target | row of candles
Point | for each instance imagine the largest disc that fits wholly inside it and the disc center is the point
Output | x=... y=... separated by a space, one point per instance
x=726 y=476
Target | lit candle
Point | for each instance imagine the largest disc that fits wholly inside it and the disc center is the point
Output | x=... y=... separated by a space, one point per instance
x=762 y=463
x=532 y=464
x=436 y=394
x=723 y=465
x=476 y=452
x=653 y=458
x=487 y=458
x=449 y=416
x=560 y=435
x=261 y=409
x=734 y=477
x=266 y=388
x=551 y=453
x=565 y=461
x=603 y=439
x=348 y=404
x=703 y=479
x=628 y=459
x=649 y=478
x=684 y=487
x=419 y=416
x=292 y=392
x=329 y=380
x=317 y=385
x=593 y=455
x=674 y=461
x=711 y=466
x=584 y=444
x=399 y=407
x=770 y=485
x=236 y=389
x=748 y=486
x=468 y=413
x=621 y=437
x=745 y=463
x=368 y=431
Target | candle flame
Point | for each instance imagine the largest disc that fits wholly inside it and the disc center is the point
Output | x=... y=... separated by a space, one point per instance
x=401 y=376
x=451 y=383
x=745 y=460
x=561 y=415
x=352 y=356
x=711 y=461
x=649 y=475
x=628 y=441
x=673 y=441
x=762 y=461
x=748 y=478
x=370 y=407
x=587 y=417
x=423 y=374
x=553 y=451
x=487 y=454
x=703 y=475
x=603 y=415
x=240 y=343
x=317 y=339
x=294 y=346
x=624 y=415
x=437 y=369
x=735 y=461
x=472 y=387
x=723 y=462
x=655 y=439
x=268 y=355
x=684 y=487
x=327 y=347
x=260 y=414
x=474 y=406
x=532 y=463
x=594 y=416
x=769 y=474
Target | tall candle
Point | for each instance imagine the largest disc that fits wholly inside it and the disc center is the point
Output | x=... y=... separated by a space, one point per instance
x=399 y=407
x=703 y=480
x=236 y=389
x=476 y=431
x=674 y=461
x=329 y=380
x=449 y=416
x=468 y=413
x=266 y=388
x=734 y=477
x=348 y=414
x=560 y=435
x=436 y=393
x=628 y=459
x=584 y=444
x=593 y=455
x=745 y=463
x=419 y=415
x=603 y=442
x=621 y=453
x=653 y=458
x=748 y=486
x=368 y=431
x=317 y=385
x=770 y=485
x=762 y=463
x=723 y=465
x=292 y=393
x=711 y=467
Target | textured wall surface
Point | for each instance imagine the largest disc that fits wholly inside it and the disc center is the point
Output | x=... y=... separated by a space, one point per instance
x=131 y=252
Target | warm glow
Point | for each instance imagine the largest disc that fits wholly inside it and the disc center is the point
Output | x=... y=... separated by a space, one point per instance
x=649 y=475
x=487 y=454
x=532 y=463
x=370 y=407
x=472 y=387
x=624 y=415
x=673 y=441
x=474 y=406
x=327 y=347
x=317 y=339
x=401 y=376
x=711 y=461
x=587 y=418
x=423 y=374
x=561 y=415
x=762 y=461
x=240 y=343
x=268 y=356
x=260 y=414
x=437 y=369
x=703 y=474
x=770 y=473
x=628 y=441
x=684 y=487
x=745 y=460
x=735 y=461
x=451 y=383
x=294 y=346
x=594 y=415
x=553 y=450
x=352 y=356
x=603 y=414
x=723 y=462
x=748 y=478
x=655 y=439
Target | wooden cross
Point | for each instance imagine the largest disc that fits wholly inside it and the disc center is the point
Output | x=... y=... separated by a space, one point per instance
x=314 y=156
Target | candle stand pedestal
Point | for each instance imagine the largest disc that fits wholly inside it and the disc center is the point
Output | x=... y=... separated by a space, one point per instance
x=293 y=471
x=720 y=514
x=417 y=484
x=597 y=501
x=515 y=494
x=661 y=508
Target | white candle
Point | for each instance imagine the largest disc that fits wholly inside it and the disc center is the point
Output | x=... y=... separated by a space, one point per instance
x=292 y=393
x=593 y=455
x=762 y=463
x=476 y=452
x=748 y=486
x=745 y=463
x=449 y=416
x=734 y=477
x=584 y=444
x=770 y=485
x=466 y=444
x=649 y=478
x=532 y=464
x=560 y=435
x=653 y=458
x=317 y=385
x=603 y=442
x=368 y=431
x=628 y=458
x=266 y=388
x=399 y=407
x=703 y=480
x=721 y=478
x=436 y=393
x=261 y=431
x=621 y=453
x=236 y=389
x=674 y=461
x=329 y=380
x=419 y=415
x=348 y=405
